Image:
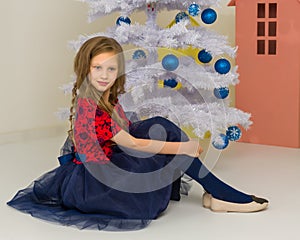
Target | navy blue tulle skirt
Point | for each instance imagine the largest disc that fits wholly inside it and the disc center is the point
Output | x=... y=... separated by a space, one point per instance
x=125 y=194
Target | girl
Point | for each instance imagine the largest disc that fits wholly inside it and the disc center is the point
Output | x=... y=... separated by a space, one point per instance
x=120 y=175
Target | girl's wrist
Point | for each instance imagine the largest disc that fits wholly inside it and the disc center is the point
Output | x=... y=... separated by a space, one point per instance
x=184 y=148
x=191 y=148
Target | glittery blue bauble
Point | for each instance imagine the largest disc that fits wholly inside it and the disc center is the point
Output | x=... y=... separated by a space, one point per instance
x=221 y=142
x=234 y=133
x=194 y=9
x=204 y=56
x=139 y=54
x=170 y=62
x=222 y=66
x=172 y=83
x=209 y=16
x=181 y=16
x=221 y=93
x=123 y=19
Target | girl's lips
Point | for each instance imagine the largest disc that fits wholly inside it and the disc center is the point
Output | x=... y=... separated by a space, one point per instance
x=102 y=83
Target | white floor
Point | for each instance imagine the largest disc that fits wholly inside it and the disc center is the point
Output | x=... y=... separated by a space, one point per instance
x=271 y=172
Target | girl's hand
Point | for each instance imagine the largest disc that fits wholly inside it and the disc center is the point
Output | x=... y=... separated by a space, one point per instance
x=192 y=148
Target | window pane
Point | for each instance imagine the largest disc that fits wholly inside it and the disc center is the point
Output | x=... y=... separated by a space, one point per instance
x=272 y=29
x=261 y=47
x=261 y=10
x=272 y=47
x=272 y=10
x=260 y=29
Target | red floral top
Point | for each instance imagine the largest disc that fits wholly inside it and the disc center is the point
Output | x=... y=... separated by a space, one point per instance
x=93 y=129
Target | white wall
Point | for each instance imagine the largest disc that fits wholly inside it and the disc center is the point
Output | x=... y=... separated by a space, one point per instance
x=35 y=59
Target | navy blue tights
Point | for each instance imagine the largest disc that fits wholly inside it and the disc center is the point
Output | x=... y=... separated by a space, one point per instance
x=162 y=129
x=213 y=185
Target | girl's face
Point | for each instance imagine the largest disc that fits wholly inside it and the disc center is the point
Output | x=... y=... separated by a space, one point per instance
x=104 y=71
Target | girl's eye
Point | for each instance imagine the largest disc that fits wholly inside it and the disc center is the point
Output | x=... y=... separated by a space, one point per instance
x=110 y=69
x=97 y=67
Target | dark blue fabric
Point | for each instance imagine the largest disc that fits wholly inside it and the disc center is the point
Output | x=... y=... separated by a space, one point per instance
x=193 y=167
x=72 y=195
x=64 y=159
x=213 y=185
x=93 y=195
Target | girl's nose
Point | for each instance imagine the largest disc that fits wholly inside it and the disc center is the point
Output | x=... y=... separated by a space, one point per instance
x=104 y=74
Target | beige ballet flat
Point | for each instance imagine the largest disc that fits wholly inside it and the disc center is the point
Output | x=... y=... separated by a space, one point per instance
x=258 y=204
x=206 y=200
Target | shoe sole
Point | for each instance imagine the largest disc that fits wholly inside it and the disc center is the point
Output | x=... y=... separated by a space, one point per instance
x=223 y=206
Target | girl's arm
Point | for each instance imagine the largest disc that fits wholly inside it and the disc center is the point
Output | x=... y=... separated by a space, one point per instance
x=190 y=148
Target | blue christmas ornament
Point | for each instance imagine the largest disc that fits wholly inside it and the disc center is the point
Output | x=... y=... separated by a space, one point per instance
x=221 y=142
x=209 y=16
x=222 y=66
x=172 y=83
x=123 y=19
x=221 y=93
x=181 y=16
x=204 y=56
x=194 y=9
x=170 y=62
x=139 y=54
x=234 y=133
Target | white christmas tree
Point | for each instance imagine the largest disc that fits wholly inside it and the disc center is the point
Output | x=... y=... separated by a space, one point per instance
x=190 y=92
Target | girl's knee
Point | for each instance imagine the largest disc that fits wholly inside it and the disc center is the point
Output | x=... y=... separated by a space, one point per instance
x=160 y=128
x=162 y=120
x=173 y=131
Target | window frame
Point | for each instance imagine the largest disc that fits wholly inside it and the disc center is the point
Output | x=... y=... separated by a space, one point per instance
x=267 y=28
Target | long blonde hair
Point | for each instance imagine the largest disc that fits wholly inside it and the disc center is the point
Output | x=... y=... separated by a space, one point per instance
x=82 y=63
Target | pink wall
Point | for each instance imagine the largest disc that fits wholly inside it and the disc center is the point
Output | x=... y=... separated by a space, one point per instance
x=270 y=84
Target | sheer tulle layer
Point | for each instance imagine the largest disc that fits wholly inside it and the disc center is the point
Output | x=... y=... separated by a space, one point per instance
x=71 y=195
x=99 y=196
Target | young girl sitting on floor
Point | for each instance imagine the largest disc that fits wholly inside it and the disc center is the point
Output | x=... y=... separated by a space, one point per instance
x=121 y=175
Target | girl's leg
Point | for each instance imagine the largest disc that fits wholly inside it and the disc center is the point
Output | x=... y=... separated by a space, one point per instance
x=211 y=184
x=162 y=129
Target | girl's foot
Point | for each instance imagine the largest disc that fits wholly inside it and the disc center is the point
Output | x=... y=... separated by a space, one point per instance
x=216 y=205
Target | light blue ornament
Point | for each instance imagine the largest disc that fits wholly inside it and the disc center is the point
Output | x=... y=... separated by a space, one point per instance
x=139 y=54
x=222 y=66
x=123 y=19
x=234 y=133
x=221 y=93
x=209 y=16
x=221 y=142
x=170 y=62
x=194 y=9
x=204 y=56
x=181 y=16
x=172 y=83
